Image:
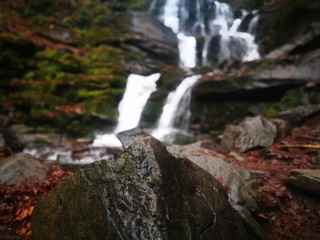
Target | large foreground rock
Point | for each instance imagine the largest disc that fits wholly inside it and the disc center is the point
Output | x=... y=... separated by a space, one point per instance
x=145 y=194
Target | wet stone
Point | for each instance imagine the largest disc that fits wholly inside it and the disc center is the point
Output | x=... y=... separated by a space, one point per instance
x=146 y=193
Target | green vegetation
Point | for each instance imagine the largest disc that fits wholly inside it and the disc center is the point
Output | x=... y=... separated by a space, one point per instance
x=290 y=99
x=64 y=62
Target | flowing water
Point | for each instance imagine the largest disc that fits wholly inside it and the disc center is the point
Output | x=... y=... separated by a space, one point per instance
x=207 y=31
x=137 y=93
x=207 y=34
x=176 y=113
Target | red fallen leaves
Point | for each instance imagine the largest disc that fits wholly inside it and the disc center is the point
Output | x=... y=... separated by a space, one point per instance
x=286 y=213
x=17 y=202
x=72 y=110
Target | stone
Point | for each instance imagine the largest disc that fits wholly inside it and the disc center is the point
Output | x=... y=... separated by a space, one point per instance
x=21 y=167
x=305 y=179
x=304 y=71
x=274 y=28
x=240 y=184
x=296 y=115
x=146 y=193
x=250 y=133
x=151 y=36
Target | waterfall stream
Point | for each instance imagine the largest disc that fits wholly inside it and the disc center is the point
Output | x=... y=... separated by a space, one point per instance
x=175 y=114
x=207 y=33
x=137 y=93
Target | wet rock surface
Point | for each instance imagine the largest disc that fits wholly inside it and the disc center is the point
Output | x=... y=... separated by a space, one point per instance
x=145 y=194
x=149 y=35
x=240 y=184
x=306 y=179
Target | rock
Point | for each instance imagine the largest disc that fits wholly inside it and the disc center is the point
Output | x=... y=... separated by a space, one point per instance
x=275 y=28
x=298 y=114
x=146 y=193
x=315 y=159
x=21 y=167
x=151 y=36
x=305 y=179
x=250 y=133
x=129 y=136
x=303 y=71
x=44 y=138
x=218 y=102
x=12 y=141
x=240 y=184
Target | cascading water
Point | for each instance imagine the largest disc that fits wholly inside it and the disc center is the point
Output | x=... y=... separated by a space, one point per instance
x=176 y=111
x=137 y=93
x=207 y=31
x=208 y=35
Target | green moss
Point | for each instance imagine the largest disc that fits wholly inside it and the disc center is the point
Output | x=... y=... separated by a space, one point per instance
x=49 y=73
x=290 y=99
x=262 y=64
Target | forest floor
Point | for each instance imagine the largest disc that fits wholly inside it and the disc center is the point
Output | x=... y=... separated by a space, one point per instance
x=286 y=212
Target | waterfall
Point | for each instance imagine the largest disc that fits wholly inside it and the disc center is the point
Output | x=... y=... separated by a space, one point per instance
x=175 y=115
x=137 y=93
x=207 y=32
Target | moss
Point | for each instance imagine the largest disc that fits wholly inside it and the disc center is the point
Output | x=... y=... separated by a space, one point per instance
x=290 y=99
x=43 y=72
x=262 y=64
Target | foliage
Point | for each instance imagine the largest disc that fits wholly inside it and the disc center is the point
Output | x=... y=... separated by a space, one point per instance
x=17 y=202
x=64 y=53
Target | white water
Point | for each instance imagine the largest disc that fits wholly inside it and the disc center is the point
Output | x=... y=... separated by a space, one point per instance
x=218 y=21
x=233 y=45
x=186 y=44
x=176 y=110
x=137 y=93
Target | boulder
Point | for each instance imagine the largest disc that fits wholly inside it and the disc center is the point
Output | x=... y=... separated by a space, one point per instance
x=240 y=184
x=21 y=167
x=146 y=193
x=250 y=133
x=305 y=179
